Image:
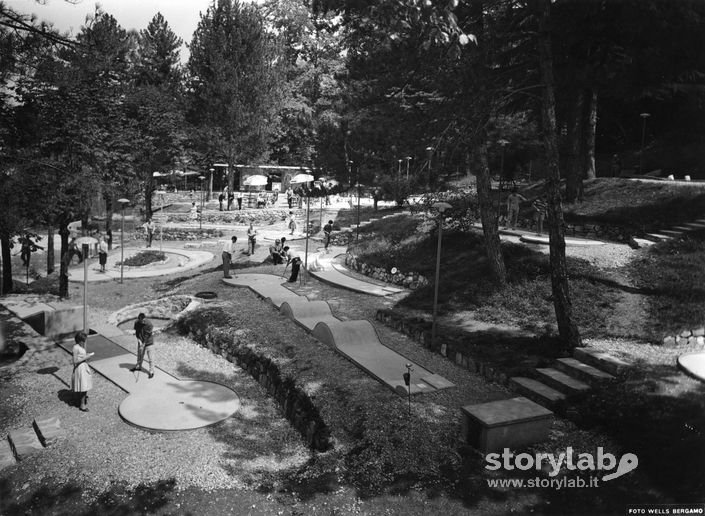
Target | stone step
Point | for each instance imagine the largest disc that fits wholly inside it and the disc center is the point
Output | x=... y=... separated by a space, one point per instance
x=48 y=429
x=700 y=221
x=561 y=381
x=695 y=226
x=25 y=443
x=584 y=372
x=684 y=229
x=7 y=458
x=672 y=233
x=658 y=237
x=602 y=360
x=538 y=392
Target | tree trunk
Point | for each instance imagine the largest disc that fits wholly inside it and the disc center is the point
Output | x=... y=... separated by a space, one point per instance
x=148 y=190
x=6 y=264
x=589 y=135
x=64 y=269
x=489 y=216
x=574 y=158
x=567 y=328
x=50 y=250
x=109 y=221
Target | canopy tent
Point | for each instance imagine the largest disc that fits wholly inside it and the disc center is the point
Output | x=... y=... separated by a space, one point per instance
x=255 y=180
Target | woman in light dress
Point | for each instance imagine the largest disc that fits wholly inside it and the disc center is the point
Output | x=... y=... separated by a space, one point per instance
x=82 y=377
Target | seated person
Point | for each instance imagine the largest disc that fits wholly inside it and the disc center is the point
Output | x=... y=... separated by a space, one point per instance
x=276 y=251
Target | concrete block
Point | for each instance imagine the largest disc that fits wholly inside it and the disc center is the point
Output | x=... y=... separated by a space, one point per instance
x=63 y=321
x=511 y=423
x=685 y=333
x=699 y=332
x=48 y=429
x=7 y=458
x=25 y=443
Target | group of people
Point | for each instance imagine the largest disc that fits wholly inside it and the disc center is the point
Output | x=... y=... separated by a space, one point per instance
x=540 y=207
x=229 y=249
x=228 y=197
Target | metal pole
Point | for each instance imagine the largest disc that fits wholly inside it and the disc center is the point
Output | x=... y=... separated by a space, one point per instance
x=85 y=288
x=643 y=116
x=357 y=237
x=161 y=226
x=441 y=207
x=308 y=208
x=122 y=242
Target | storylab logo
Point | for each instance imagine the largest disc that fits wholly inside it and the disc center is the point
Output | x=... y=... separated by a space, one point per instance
x=601 y=461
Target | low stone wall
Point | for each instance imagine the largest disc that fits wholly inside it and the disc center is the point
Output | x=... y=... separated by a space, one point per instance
x=236 y=346
x=456 y=348
x=259 y=217
x=694 y=337
x=179 y=234
x=410 y=280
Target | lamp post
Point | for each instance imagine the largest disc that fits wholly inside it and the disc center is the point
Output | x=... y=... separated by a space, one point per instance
x=429 y=155
x=643 y=116
x=441 y=207
x=503 y=143
x=408 y=159
x=122 y=202
x=200 y=217
x=210 y=183
x=85 y=243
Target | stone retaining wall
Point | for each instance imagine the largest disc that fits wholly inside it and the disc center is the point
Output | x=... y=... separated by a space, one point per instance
x=179 y=234
x=455 y=347
x=296 y=405
x=586 y=229
x=261 y=217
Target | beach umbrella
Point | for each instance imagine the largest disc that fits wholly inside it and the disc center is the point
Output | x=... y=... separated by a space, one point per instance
x=301 y=178
x=255 y=180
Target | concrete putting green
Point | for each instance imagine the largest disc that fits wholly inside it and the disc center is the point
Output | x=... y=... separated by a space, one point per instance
x=163 y=402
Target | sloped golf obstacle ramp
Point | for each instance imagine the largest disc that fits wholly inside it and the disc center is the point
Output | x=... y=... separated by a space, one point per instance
x=307 y=313
x=359 y=342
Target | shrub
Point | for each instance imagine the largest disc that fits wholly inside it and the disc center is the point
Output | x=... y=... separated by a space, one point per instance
x=144 y=258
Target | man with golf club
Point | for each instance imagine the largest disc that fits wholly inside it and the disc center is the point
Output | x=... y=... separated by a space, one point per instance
x=292 y=257
x=145 y=342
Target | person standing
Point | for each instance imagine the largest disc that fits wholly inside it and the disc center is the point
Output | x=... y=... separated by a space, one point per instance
x=289 y=196
x=540 y=207
x=291 y=222
x=239 y=200
x=251 y=239
x=193 y=215
x=231 y=198
x=327 y=230
x=227 y=255
x=26 y=249
x=82 y=377
x=149 y=231
x=513 y=200
x=73 y=249
x=292 y=257
x=102 y=253
x=145 y=340
x=221 y=198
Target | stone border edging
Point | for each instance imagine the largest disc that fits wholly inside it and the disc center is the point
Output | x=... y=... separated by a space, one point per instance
x=297 y=406
x=410 y=280
x=685 y=338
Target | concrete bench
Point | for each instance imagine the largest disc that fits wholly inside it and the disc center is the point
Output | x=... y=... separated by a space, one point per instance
x=513 y=423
